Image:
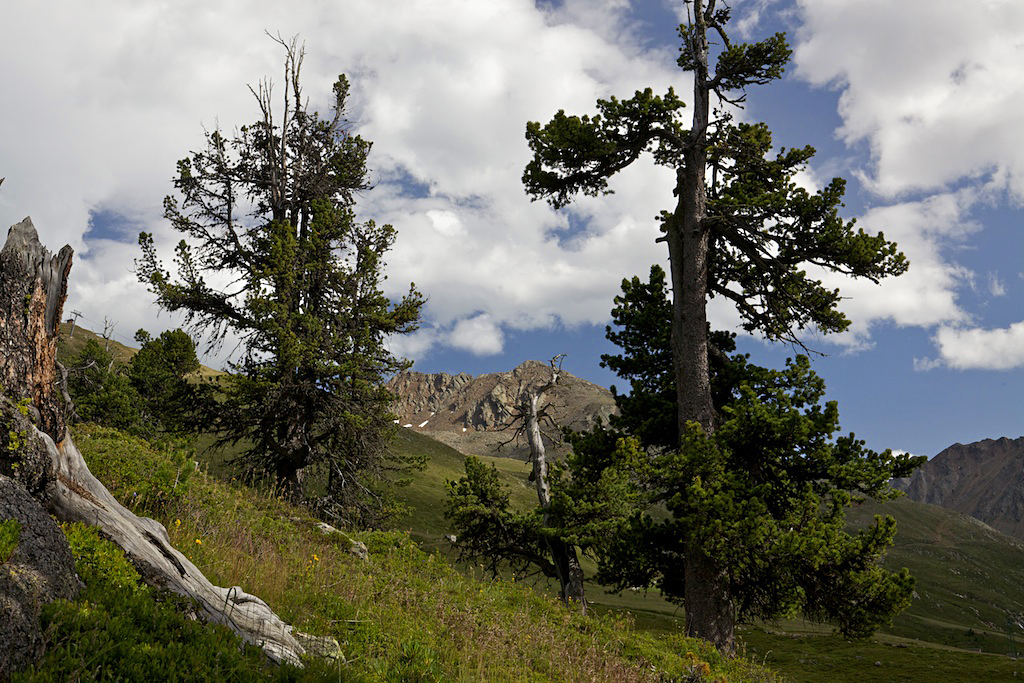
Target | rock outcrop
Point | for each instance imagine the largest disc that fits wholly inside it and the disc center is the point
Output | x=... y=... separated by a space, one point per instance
x=469 y=413
x=984 y=480
x=39 y=571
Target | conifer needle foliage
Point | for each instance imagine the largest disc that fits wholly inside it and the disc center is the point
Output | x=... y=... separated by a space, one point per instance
x=765 y=495
x=274 y=258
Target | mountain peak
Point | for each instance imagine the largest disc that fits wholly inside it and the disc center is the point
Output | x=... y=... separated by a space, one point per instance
x=984 y=479
x=471 y=413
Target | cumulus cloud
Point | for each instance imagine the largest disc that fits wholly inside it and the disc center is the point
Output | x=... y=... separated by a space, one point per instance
x=972 y=348
x=106 y=98
x=932 y=87
x=103 y=98
x=479 y=335
x=927 y=294
x=931 y=92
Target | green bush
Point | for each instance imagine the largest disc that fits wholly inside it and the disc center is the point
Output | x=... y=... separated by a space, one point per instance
x=101 y=564
x=10 y=532
x=101 y=392
x=146 y=478
x=120 y=629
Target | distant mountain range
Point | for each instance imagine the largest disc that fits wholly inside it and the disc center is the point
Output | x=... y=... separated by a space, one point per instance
x=984 y=480
x=471 y=414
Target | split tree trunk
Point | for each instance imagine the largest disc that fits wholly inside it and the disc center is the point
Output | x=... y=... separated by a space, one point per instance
x=33 y=286
x=563 y=555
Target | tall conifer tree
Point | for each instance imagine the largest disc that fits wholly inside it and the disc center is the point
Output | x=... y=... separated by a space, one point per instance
x=740 y=228
x=766 y=494
x=276 y=258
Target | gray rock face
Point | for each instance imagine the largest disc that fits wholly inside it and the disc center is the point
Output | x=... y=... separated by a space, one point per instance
x=40 y=570
x=984 y=480
x=22 y=458
x=469 y=413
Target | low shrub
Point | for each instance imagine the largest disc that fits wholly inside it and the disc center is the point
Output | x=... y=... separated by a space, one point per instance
x=120 y=629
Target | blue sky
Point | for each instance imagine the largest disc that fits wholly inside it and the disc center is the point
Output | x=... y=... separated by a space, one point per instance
x=915 y=103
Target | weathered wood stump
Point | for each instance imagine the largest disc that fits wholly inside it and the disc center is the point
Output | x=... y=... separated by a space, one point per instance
x=33 y=286
x=37 y=450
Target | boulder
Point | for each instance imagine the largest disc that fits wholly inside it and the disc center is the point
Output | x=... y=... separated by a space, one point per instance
x=39 y=571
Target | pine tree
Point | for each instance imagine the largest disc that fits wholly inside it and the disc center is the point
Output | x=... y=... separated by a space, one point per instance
x=276 y=258
x=102 y=392
x=158 y=372
x=747 y=233
x=591 y=498
x=578 y=503
x=765 y=495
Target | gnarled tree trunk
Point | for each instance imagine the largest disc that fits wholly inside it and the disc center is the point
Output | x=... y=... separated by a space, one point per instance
x=33 y=286
x=43 y=456
x=563 y=555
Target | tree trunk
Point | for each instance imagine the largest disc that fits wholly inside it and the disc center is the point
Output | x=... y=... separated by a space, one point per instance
x=569 y=573
x=687 y=238
x=33 y=286
x=538 y=454
x=563 y=555
x=710 y=612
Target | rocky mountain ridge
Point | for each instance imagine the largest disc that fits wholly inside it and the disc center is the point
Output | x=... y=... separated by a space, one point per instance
x=984 y=480
x=471 y=414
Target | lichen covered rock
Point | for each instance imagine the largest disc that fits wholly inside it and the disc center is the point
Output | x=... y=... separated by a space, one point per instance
x=22 y=458
x=40 y=570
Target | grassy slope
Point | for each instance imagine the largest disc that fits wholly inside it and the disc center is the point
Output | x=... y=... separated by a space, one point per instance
x=404 y=615
x=71 y=342
x=970 y=579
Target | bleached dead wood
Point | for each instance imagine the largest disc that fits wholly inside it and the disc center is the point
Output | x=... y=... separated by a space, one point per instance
x=530 y=413
x=33 y=285
x=79 y=496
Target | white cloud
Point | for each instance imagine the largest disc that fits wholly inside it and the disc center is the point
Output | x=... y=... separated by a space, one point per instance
x=479 y=335
x=926 y=364
x=103 y=98
x=749 y=14
x=412 y=345
x=996 y=287
x=106 y=98
x=932 y=86
x=931 y=90
x=972 y=348
x=926 y=295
